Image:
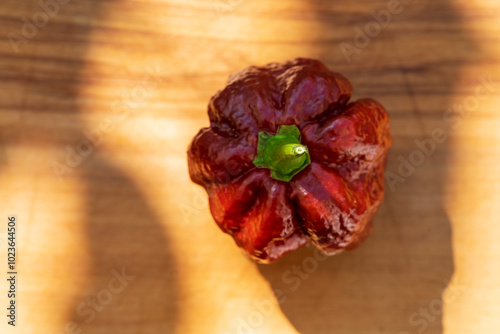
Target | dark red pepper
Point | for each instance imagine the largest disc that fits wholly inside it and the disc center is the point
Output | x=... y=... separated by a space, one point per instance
x=287 y=159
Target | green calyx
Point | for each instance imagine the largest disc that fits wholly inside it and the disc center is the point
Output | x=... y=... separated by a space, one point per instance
x=282 y=153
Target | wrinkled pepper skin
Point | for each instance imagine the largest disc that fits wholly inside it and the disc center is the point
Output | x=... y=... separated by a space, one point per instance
x=332 y=201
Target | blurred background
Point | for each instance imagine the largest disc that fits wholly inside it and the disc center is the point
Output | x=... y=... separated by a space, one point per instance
x=100 y=99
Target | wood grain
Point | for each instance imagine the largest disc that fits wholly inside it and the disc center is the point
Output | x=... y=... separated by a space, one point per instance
x=135 y=78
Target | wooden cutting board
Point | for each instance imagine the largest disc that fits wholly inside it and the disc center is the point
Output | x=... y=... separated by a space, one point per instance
x=113 y=237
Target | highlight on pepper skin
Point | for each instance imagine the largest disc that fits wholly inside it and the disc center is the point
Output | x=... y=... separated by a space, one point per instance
x=307 y=164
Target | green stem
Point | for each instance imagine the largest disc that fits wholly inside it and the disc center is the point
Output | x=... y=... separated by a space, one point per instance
x=282 y=153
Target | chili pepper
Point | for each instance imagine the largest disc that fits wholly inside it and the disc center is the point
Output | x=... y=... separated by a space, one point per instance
x=287 y=158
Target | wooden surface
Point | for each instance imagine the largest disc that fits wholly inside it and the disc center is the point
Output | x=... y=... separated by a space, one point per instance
x=143 y=71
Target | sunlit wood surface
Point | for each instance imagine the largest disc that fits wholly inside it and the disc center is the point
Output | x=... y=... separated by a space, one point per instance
x=135 y=77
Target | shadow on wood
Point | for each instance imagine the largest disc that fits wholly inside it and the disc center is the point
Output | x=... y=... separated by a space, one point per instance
x=132 y=283
x=393 y=283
